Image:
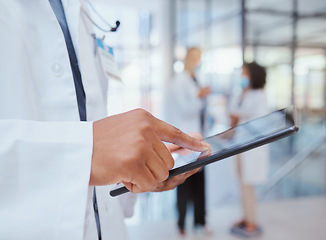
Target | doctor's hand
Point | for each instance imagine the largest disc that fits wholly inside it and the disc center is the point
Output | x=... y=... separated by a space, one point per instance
x=171 y=183
x=128 y=148
x=173 y=148
x=204 y=92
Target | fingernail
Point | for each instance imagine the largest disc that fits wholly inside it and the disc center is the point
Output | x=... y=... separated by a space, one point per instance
x=205 y=144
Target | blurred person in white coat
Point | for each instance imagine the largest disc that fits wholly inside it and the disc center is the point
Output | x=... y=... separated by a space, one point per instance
x=56 y=142
x=183 y=103
x=185 y=108
x=252 y=166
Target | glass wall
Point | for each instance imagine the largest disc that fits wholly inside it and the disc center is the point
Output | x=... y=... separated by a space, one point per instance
x=140 y=49
x=148 y=35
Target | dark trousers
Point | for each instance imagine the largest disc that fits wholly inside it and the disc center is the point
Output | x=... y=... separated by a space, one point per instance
x=192 y=190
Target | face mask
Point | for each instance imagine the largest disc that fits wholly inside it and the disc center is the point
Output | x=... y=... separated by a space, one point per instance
x=244 y=82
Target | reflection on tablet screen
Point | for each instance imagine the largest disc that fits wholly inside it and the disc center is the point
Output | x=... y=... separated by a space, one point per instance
x=239 y=136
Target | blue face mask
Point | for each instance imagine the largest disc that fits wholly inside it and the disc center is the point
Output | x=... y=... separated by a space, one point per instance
x=244 y=82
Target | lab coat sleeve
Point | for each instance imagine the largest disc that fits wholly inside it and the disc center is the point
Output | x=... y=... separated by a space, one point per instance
x=44 y=177
x=242 y=113
x=254 y=106
x=128 y=202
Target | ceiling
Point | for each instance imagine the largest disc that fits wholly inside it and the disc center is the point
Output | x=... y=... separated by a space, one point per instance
x=269 y=22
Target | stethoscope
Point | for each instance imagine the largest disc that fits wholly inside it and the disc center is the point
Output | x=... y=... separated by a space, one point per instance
x=110 y=27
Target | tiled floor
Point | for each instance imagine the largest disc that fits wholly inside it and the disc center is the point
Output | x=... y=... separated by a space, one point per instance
x=298 y=219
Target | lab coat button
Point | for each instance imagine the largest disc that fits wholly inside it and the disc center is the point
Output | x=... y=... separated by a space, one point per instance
x=57 y=69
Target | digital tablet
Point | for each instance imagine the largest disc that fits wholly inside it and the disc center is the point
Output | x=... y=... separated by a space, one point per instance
x=244 y=137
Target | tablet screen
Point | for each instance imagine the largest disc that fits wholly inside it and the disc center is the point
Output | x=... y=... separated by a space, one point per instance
x=242 y=135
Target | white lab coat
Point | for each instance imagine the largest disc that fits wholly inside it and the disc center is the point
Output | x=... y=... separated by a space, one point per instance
x=182 y=105
x=45 y=152
x=255 y=163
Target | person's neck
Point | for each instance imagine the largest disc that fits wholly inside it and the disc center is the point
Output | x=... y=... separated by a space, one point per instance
x=190 y=72
x=246 y=90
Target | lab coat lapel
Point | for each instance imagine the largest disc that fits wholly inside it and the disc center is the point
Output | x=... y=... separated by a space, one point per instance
x=80 y=31
x=72 y=10
x=94 y=80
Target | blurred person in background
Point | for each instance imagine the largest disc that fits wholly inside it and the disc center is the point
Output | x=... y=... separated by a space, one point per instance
x=185 y=107
x=252 y=166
